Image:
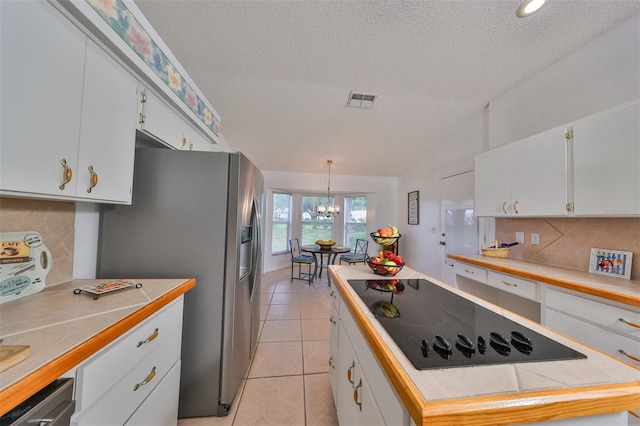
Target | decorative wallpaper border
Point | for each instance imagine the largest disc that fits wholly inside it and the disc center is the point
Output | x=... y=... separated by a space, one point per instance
x=120 y=18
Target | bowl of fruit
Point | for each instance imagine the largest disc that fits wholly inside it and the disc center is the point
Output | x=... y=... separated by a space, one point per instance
x=386 y=236
x=386 y=263
x=325 y=244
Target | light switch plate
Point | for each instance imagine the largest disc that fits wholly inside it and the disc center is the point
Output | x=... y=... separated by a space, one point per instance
x=535 y=238
x=520 y=237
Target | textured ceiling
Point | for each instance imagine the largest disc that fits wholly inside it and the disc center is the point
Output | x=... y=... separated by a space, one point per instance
x=280 y=72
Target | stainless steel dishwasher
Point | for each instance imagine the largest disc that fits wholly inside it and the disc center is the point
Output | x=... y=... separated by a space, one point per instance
x=52 y=406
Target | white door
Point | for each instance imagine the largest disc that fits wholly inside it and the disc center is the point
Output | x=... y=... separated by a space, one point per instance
x=459 y=227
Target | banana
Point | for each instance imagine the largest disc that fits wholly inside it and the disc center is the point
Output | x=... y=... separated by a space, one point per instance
x=394 y=230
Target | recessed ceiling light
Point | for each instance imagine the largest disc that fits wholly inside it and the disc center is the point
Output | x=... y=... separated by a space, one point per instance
x=529 y=7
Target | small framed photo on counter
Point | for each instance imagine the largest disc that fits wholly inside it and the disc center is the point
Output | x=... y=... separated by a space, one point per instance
x=414 y=208
x=614 y=263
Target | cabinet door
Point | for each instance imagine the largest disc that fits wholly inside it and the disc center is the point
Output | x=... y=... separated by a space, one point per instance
x=539 y=175
x=356 y=405
x=163 y=123
x=42 y=67
x=107 y=135
x=492 y=185
x=606 y=154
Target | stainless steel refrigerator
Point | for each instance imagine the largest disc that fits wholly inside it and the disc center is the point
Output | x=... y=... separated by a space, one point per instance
x=196 y=214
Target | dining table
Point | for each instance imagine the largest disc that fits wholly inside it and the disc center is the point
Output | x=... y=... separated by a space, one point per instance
x=319 y=253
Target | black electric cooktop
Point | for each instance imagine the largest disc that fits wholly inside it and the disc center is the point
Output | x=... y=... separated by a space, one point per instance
x=436 y=328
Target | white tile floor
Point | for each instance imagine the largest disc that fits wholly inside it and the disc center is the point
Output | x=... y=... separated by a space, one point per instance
x=288 y=382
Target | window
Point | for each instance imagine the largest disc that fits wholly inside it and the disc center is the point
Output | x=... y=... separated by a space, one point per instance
x=315 y=227
x=355 y=219
x=280 y=232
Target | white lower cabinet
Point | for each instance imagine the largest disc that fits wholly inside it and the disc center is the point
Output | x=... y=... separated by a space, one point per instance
x=137 y=375
x=361 y=389
x=356 y=405
x=599 y=323
x=333 y=349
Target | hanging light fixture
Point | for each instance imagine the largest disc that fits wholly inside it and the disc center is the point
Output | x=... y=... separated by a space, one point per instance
x=329 y=210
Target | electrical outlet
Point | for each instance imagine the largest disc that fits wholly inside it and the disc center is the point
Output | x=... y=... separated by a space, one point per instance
x=520 y=237
x=535 y=238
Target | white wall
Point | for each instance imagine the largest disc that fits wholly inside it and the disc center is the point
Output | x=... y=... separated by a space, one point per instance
x=381 y=192
x=602 y=74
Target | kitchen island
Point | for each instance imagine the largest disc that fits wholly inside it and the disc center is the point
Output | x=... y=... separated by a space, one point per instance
x=598 y=389
x=64 y=329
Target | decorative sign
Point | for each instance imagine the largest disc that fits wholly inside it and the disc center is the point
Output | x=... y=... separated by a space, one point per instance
x=614 y=263
x=414 y=208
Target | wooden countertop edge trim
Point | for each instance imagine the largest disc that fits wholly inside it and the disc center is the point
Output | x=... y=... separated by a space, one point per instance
x=605 y=294
x=533 y=406
x=491 y=409
x=26 y=387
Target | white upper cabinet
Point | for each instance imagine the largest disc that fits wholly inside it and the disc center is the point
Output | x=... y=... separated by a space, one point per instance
x=161 y=122
x=606 y=157
x=108 y=129
x=525 y=178
x=68 y=111
x=42 y=67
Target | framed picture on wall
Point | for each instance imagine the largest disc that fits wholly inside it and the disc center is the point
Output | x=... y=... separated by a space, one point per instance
x=614 y=263
x=414 y=208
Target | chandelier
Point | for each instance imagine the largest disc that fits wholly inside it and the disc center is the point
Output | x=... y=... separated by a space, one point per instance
x=328 y=210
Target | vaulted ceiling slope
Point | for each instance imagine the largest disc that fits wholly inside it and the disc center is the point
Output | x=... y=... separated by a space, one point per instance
x=280 y=72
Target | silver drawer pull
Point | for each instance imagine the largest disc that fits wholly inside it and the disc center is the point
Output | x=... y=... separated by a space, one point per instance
x=356 y=396
x=146 y=380
x=510 y=284
x=632 y=324
x=149 y=339
x=635 y=358
x=331 y=320
x=468 y=271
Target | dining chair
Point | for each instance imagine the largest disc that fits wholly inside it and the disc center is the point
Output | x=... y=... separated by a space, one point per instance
x=358 y=255
x=301 y=259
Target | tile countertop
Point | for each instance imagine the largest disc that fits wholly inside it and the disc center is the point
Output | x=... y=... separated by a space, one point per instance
x=63 y=328
x=612 y=288
x=494 y=394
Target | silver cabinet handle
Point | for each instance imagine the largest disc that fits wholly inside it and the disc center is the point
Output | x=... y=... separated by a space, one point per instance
x=515 y=207
x=349 y=372
x=331 y=363
x=149 y=339
x=635 y=358
x=504 y=207
x=632 y=324
x=509 y=284
x=356 y=396
x=331 y=320
x=146 y=379
x=68 y=174
x=468 y=271
x=94 y=179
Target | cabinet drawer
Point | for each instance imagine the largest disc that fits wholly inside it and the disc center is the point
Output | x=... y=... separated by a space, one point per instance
x=601 y=314
x=471 y=272
x=604 y=340
x=161 y=407
x=110 y=365
x=518 y=286
x=119 y=402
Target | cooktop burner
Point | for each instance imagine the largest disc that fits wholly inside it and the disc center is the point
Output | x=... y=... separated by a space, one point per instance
x=436 y=328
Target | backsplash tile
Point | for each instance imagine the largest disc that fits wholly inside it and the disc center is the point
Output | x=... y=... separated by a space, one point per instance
x=567 y=242
x=53 y=220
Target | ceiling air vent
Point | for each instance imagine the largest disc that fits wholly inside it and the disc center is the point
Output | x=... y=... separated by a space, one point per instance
x=361 y=100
